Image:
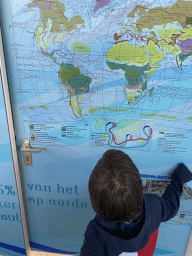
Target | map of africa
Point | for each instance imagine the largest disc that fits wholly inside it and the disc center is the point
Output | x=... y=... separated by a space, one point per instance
x=106 y=72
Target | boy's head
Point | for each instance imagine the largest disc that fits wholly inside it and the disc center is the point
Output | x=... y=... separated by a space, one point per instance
x=115 y=188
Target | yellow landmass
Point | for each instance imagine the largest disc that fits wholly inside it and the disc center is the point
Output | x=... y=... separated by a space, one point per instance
x=129 y=98
x=176 y=50
x=125 y=52
x=75 y=100
x=132 y=74
x=42 y=106
x=166 y=33
x=38 y=37
x=187 y=33
x=159 y=115
x=92 y=111
x=152 y=71
x=155 y=56
x=133 y=94
x=165 y=47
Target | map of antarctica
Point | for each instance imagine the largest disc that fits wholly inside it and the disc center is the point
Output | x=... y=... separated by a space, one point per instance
x=106 y=73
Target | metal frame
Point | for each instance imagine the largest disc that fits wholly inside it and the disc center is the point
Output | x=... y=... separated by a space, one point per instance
x=13 y=145
x=8 y=108
x=188 y=251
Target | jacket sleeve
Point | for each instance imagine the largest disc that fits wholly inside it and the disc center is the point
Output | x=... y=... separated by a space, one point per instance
x=170 y=200
x=92 y=247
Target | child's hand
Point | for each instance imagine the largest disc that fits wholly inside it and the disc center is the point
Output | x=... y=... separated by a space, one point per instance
x=172 y=171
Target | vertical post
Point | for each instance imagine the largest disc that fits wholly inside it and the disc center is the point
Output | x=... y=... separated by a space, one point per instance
x=188 y=251
x=13 y=145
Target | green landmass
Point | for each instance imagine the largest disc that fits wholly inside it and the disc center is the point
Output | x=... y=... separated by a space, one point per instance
x=42 y=106
x=80 y=83
x=31 y=107
x=189 y=118
x=68 y=71
x=49 y=55
x=144 y=87
x=80 y=47
x=75 y=104
x=92 y=111
x=181 y=57
x=133 y=74
x=150 y=91
x=159 y=115
x=77 y=81
x=189 y=20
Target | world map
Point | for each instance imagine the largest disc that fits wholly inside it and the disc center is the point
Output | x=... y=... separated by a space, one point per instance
x=99 y=62
x=91 y=75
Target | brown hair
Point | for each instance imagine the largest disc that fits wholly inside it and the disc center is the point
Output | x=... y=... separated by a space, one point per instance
x=115 y=188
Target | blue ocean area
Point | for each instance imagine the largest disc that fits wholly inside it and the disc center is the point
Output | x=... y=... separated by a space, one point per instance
x=108 y=85
x=7 y=153
x=2 y=104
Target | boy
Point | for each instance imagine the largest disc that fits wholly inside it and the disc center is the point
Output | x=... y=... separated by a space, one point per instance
x=127 y=221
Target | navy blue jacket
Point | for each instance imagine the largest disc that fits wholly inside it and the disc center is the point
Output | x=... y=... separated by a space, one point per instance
x=139 y=237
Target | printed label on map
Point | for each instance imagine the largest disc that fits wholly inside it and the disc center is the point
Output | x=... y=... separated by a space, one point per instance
x=172 y=142
x=59 y=135
x=45 y=134
x=75 y=135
